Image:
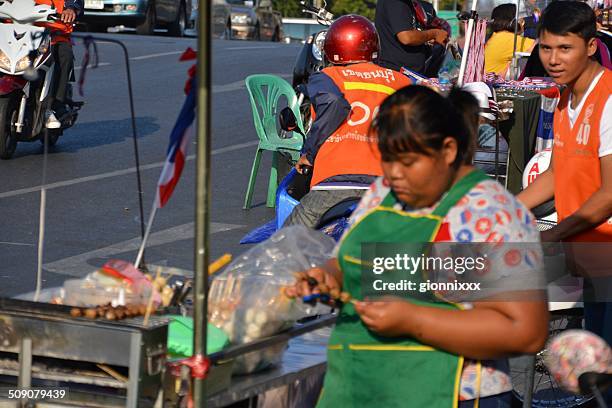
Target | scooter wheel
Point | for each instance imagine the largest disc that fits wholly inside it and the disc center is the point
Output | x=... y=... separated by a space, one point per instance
x=8 y=141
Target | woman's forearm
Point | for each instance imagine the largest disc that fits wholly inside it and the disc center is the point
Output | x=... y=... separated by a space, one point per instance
x=482 y=332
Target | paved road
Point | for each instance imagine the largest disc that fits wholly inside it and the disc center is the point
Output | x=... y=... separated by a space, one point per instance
x=92 y=204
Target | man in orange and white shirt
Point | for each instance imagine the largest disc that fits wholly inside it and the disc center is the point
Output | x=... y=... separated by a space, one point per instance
x=580 y=175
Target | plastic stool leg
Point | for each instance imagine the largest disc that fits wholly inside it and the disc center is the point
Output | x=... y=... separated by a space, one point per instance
x=252 y=179
x=273 y=183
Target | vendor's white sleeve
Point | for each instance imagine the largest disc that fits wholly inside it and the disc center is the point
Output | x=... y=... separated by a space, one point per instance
x=605 y=130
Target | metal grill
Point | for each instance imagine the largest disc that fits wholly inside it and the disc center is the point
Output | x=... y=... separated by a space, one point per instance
x=544 y=225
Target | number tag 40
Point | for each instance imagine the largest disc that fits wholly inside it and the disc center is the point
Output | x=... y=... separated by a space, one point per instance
x=582 y=138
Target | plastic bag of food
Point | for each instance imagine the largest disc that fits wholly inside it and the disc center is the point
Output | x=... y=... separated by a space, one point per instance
x=247 y=300
x=117 y=282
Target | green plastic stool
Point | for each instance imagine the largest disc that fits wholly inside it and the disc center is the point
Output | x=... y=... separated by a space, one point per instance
x=265 y=92
x=180 y=337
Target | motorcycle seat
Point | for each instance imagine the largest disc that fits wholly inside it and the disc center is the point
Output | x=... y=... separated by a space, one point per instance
x=343 y=209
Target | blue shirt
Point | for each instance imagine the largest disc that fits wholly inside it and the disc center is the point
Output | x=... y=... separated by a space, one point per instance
x=331 y=110
x=76 y=5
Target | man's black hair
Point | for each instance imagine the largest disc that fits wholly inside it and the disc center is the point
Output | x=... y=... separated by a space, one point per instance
x=569 y=17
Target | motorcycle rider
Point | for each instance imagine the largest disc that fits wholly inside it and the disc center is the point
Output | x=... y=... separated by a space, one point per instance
x=345 y=97
x=63 y=56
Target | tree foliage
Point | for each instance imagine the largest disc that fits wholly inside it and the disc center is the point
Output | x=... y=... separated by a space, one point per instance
x=288 y=8
x=367 y=8
x=364 y=8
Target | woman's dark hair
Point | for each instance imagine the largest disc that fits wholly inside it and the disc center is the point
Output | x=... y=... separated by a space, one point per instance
x=503 y=17
x=569 y=17
x=418 y=119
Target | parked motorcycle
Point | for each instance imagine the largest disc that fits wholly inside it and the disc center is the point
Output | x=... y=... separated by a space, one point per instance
x=26 y=76
x=311 y=58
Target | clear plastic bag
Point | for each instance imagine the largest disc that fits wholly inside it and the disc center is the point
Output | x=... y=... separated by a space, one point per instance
x=247 y=300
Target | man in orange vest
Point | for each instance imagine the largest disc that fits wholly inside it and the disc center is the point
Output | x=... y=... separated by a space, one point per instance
x=345 y=97
x=63 y=56
x=580 y=174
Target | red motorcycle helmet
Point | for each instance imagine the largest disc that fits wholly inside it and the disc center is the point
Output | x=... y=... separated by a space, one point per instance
x=351 y=39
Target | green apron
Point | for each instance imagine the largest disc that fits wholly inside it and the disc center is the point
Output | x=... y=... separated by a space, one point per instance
x=367 y=370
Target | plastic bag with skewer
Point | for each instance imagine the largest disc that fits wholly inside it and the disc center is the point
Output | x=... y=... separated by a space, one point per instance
x=247 y=299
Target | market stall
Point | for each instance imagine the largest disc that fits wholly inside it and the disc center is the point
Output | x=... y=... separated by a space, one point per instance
x=104 y=339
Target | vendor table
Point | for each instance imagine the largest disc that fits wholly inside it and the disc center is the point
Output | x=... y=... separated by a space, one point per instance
x=304 y=360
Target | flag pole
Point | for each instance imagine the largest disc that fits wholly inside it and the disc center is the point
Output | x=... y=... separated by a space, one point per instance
x=514 y=63
x=466 y=48
x=145 y=237
x=203 y=190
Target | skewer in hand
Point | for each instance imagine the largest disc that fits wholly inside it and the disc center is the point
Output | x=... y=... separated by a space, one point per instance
x=325 y=293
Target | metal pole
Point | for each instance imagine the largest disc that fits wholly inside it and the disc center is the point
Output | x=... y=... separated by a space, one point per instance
x=529 y=380
x=514 y=63
x=466 y=48
x=42 y=219
x=202 y=210
x=25 y=367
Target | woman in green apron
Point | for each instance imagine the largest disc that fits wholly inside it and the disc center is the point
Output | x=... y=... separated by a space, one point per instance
x=411 y=352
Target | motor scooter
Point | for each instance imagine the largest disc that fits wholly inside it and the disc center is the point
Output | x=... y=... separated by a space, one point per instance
x=26 y=76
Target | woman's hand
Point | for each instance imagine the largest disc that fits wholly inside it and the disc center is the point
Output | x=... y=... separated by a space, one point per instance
x=323 y=275
x=386 y=317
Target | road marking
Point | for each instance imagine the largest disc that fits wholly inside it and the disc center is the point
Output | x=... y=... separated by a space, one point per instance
x=139 y=58
x=101 y=64
x=119 y=173
x=238 y=85
x=161 y=54
x=252 y=48
x=16 y=243
x=79 y=265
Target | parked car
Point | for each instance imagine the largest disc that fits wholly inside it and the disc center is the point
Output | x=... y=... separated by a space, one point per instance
x=221 y=16
x=145 y=15
x=298 y=30
x=255 y=19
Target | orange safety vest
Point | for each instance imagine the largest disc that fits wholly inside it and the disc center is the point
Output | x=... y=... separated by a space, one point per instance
x=61 y=32
x=576 y=162
x=349 y=150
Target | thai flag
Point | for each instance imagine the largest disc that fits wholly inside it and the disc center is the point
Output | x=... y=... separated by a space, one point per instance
x=544 y=134
x=177 y=150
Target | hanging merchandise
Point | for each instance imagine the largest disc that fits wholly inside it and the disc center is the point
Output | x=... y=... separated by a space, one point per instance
x=475 y=59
